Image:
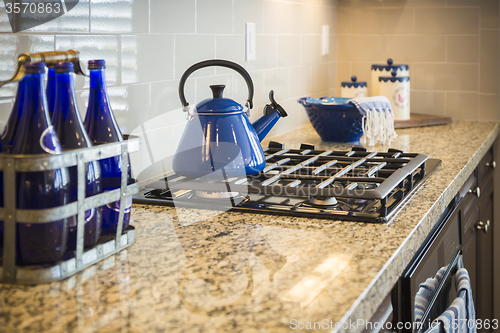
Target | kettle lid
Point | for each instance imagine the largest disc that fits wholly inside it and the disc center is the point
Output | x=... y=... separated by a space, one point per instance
x=218 y=104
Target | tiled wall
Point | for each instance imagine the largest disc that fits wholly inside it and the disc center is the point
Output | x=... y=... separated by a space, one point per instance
x=148 y=44
x=452 y=47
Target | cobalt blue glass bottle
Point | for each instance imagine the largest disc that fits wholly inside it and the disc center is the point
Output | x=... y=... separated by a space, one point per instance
x=41 y=242
x=12 y=125
x=69 y=128
x=9 y=133
x=51 y=91
x=1 y=202
x=101 y=127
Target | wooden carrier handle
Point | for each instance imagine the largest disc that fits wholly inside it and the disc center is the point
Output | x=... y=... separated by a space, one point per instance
x=50 y=58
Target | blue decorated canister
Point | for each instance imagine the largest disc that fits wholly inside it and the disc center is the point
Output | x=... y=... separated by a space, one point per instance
x=353 y=88
x=385 y=70
x=397 y=90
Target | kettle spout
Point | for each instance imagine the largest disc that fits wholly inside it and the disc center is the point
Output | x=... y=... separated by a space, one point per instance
x=272 y=113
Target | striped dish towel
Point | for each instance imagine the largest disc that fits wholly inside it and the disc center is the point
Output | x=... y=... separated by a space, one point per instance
x=425 y=292
x=378 y=119
x=453 y=318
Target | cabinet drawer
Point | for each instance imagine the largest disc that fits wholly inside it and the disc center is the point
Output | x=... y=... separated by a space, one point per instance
x=486 y=190
x=469 y=225
x=469 y=186
x=470 y=205
x=470 y=199
x=485 y=167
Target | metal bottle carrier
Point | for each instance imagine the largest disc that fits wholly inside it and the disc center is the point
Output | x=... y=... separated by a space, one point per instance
x=10 y=165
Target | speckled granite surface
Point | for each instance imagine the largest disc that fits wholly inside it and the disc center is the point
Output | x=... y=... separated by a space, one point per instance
x=251 y=273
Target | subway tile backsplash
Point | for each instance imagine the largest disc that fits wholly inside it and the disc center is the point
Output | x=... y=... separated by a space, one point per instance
x=132 y=17
x=94 y=47
x=452 y=47
x=137 y=52
x=447 y=20
x=75 y=21
x=148 y=45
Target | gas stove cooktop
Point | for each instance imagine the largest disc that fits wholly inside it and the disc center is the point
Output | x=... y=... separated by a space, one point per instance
x=354 y=185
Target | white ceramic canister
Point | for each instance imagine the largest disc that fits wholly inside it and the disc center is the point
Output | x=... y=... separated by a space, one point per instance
x=353 y=89
x=385 y=70
x=397 y=90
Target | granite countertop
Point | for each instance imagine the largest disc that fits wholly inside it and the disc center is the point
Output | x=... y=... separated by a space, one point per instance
x=235 y=272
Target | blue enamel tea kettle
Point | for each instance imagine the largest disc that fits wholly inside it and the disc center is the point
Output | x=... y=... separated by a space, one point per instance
x=218 y=136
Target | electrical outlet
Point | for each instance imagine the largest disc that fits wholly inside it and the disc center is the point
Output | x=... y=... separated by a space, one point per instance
x=250 y=41
x=325 y=36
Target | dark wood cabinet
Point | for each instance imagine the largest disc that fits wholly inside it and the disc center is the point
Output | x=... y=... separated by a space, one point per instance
x=484 y=282
x=477 y=235
x=484 y=236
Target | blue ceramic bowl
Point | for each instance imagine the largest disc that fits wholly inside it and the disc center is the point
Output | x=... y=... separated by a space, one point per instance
x=333 y=118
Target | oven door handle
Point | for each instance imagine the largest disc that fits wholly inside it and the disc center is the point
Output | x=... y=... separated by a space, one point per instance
x=453 y=267
x=439 y=327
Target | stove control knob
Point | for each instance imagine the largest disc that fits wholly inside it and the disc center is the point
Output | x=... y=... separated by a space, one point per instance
x=492 y=165
x=483 y=226
x=477 y=191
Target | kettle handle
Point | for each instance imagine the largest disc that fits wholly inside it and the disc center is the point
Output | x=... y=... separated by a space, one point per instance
x=221 y=63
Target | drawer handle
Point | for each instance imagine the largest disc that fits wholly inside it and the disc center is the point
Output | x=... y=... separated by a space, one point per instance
x=483 y=226
x=492 y=165
x=477 y=191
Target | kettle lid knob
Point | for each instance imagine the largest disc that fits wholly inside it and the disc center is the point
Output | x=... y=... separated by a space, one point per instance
x=217 y=90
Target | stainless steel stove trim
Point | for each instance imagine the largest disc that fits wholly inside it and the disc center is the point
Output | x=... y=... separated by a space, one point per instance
x=376 y=191
x=306 y=212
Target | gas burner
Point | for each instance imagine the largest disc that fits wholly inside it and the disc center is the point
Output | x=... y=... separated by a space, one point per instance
x=216 y=194
x=353 y=184
x=340 y=205
x=323 y=201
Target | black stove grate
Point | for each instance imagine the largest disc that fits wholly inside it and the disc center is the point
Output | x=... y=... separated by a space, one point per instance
x=347 y=185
